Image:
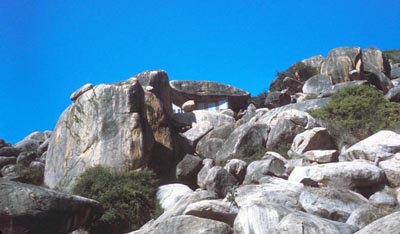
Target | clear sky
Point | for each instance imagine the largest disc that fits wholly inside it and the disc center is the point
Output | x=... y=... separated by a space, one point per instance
x=49 y=48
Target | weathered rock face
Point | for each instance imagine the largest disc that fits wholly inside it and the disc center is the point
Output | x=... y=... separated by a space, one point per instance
x=32 y=209
x=321 y=156
x=300 y=222
x=335 y=88
x=194 y=134
x=331 y=203
x=190 y=224
x=292 y=84
x=365 y=215
x=177 y=208
x=237 y=168
x=207 y=91
x=286 y=125
x=270 y=190
x=257 y=218
x=258 y=169
x=395 y=73
x=106 y=125
x=276 y=99
x=386 y=225
x=340 y=62
x=344 y=174
x=392 y=170
x=161 y=159
x=314 y=139
x=213 y=209
x=158 y=84
x=219 y=181
x=315 y=62
x=317 y=84
x=375 y=61
x=379 y=80
x=216 y=119
x=187 y=169
x=383 y=145
x=247 y=135
x=170 y=194
x=209 y=145
x=267 y=117
x=208 y=163
x=393 y=94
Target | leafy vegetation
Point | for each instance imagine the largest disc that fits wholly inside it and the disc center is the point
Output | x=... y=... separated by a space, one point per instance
x=258 y=100
x=129 y=198
x=362 y=110
x=393 y=55
x=299 y=71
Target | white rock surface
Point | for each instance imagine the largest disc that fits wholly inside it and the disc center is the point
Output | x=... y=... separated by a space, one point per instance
x=383 y=144
x=343 y=174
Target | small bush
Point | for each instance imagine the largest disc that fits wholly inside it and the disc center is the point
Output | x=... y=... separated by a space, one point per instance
x=299 y=71
x=129 y=198
x=258 y=100
x=360 y=109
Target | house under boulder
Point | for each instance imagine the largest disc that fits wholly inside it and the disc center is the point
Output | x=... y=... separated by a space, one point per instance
x=208 y=95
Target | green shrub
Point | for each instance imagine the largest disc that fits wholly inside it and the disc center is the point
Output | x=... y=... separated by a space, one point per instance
x=258 y=100
x=394 y=55
x=299 y=71
x=360 y=109
x=129 y=198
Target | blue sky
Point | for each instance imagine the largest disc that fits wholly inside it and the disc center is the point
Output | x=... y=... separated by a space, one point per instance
x=49 y=48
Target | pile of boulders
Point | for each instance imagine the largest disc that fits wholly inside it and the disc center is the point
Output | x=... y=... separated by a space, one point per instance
x=25 y=161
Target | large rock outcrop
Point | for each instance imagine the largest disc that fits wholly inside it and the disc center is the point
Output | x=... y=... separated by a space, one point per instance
x=106 y=125
x=340 y=62
x=32 y=209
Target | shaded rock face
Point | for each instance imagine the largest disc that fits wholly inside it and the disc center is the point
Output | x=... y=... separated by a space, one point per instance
x=32 y=209
x=23 y=161
x=392 y=170
x=106 y=125
x=209 y=145
x=247 y=135
x=162 y=152
x=340 y=62
x=292 y=84
x=286 y=125
x=187 y=169
x=375 y=61
x=386 y=225
x=159 y=86
x=219 y=181
x=276 y=99
x=207 y=91
x=393 y=94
